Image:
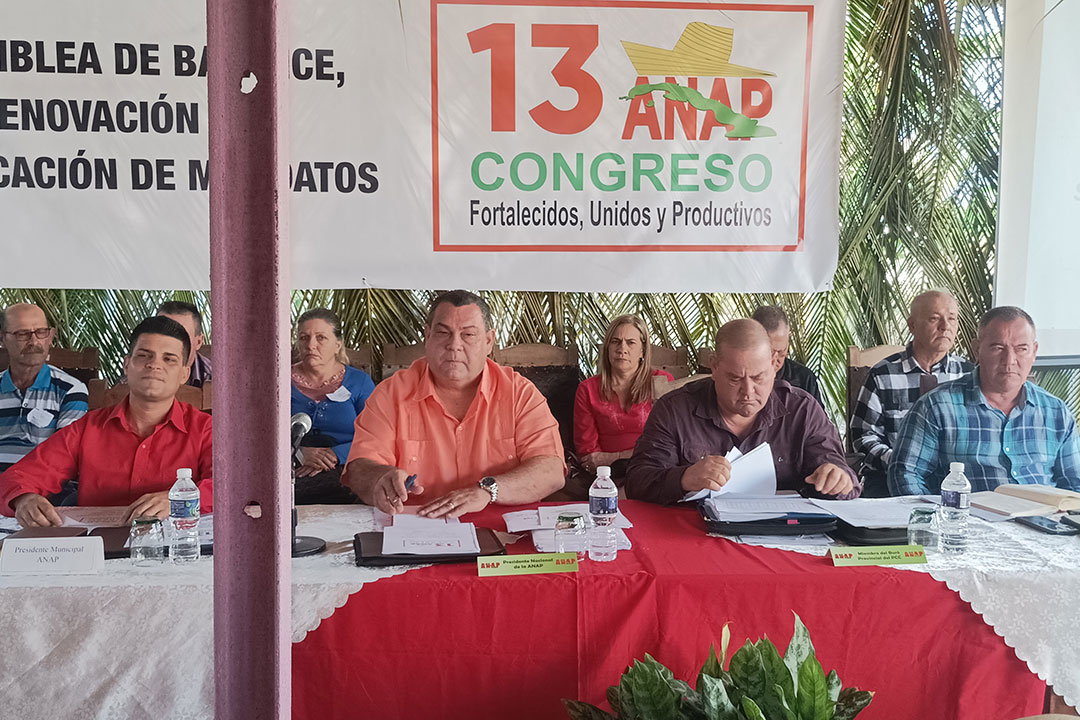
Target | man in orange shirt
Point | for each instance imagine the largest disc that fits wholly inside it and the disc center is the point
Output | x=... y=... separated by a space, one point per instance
x=472 y=432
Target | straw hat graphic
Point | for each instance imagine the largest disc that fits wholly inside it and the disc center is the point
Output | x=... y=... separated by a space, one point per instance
x=701 y=51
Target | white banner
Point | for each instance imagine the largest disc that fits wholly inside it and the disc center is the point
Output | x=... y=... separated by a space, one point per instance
x=608 y=145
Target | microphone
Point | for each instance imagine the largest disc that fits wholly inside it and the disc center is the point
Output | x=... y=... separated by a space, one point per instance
x=299 y=426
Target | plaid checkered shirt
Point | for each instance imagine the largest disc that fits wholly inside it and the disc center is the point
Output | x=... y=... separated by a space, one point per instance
x=890 y=390
x=1035 y=444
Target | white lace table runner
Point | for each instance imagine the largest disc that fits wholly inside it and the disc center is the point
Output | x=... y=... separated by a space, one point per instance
x=92 y=645
x=1025 y=585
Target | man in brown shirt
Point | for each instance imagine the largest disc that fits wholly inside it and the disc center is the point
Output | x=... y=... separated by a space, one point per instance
x=690 y=429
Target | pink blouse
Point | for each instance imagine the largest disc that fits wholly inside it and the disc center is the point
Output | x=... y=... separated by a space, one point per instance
x=602 y=425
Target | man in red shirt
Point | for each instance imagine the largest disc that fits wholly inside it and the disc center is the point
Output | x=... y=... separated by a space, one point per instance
x=127 y=454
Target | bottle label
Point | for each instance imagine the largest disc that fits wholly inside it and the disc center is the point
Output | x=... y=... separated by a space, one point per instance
x=955 y=499
x=184 y=509
x=603 y=505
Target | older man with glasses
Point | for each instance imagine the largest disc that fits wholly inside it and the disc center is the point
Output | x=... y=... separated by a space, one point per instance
x=36 y=399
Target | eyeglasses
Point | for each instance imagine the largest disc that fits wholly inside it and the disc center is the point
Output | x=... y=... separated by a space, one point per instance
x=24 y=335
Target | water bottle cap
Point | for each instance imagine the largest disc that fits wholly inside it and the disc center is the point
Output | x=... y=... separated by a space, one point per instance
x=183 y=474
x=956 y=467
x=603 y=471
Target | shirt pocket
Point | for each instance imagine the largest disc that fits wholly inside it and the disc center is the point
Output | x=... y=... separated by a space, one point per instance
x=412 y=454
x=503 y=455
x=692 y=452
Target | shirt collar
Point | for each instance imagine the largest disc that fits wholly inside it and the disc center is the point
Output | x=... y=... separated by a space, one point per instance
x=909 y=365
x=774 y=407
x=118 y=413
x=41 y=382
x=426 y=387
x=973 y=391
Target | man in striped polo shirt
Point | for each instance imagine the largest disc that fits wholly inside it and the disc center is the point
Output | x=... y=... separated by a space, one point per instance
x=36 y=399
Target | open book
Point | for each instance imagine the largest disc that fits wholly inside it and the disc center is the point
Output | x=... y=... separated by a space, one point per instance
x=1026 y=500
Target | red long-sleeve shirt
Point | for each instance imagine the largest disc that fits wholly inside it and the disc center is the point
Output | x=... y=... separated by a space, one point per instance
x=113 y=464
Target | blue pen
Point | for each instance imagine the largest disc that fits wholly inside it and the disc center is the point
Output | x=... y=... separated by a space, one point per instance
x=410 y=482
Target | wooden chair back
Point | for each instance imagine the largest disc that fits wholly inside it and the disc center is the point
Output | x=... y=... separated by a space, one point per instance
x=362 y=357
x=674 y=361
x=399 y=357
x=536 y=355
x=704 y=360
x=84 y=364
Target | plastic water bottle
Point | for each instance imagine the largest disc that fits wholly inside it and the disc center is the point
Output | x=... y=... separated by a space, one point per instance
x=955 y=507
x=184 y=518
x=603 y=506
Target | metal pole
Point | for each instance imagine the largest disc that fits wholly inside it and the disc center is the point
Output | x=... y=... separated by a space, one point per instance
x=249 y=281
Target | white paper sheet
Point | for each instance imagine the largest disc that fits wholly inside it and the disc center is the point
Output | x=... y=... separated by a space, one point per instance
x=818 y=540
x=546 y=517
x=444 y=539
x=752 y=474
x=875 y=513
x=407 y=516
x=549 y=514
x=92 y=517
x=544 y=540
x=522 y=521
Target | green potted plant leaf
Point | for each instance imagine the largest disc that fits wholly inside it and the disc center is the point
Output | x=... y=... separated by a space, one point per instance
x=758 y=684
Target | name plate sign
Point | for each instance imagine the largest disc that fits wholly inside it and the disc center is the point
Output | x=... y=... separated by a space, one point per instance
x=52 y=556
x=527 y=564
x=878 y=555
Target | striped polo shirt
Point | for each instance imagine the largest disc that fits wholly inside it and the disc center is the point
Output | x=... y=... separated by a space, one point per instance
x=55 y=400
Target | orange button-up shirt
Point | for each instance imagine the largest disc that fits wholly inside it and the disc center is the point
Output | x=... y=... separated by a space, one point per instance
x=405 y=424
x=113 y=464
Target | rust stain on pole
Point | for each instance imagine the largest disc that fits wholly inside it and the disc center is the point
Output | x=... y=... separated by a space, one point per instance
x=249 y=281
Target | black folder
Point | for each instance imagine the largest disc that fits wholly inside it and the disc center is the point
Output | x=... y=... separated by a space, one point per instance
x=789 y=524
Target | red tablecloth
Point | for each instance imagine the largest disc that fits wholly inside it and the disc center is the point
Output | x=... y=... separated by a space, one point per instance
x=441 y=642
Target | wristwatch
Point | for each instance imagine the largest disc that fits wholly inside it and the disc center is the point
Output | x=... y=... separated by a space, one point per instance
x=488 y=483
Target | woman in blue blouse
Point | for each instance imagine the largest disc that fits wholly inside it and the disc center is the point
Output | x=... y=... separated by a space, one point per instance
x=332 y=393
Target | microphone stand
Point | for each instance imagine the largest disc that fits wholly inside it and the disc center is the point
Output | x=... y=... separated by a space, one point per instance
x=302 y=545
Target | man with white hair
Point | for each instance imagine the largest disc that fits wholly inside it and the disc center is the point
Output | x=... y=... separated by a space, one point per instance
x=36 y=399
x=895 y=383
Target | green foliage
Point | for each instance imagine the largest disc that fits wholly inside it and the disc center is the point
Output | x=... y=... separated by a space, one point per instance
x=757 y=685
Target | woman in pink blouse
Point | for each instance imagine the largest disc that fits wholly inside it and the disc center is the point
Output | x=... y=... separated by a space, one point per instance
x=610 y=408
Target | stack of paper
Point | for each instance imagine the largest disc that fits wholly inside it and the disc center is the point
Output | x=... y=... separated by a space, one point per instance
x=432 y=538
x=541 y=523
x=406 y=516
x=544 y=540
x=728 y=508
x=752 y=474
x=883 y=513
x=544 y=518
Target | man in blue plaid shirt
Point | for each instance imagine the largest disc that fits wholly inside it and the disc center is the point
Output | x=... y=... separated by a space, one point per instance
x=894 y=384
x=1002 y=427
